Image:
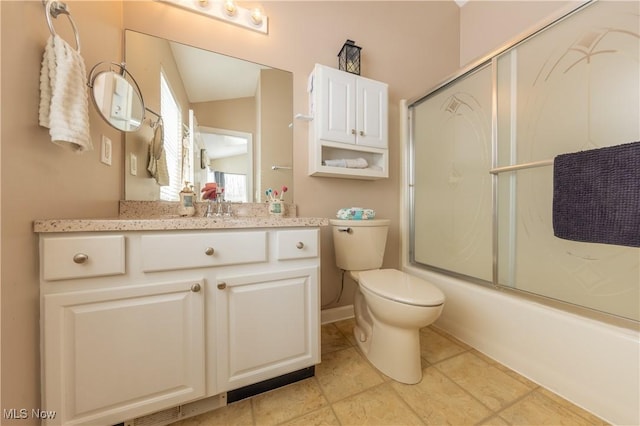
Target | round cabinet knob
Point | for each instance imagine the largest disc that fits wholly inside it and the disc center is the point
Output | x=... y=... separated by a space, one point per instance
x=300 y=245
x=195 y=288
x=353 y=131
x=361 y=133
x=222 y=286
x=80 y=258
x=209 y=251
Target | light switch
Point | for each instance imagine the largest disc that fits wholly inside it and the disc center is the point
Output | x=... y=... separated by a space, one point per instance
x=105 y=150
x=133 y=164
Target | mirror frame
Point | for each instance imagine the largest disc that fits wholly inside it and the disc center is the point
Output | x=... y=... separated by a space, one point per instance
x=130 y=122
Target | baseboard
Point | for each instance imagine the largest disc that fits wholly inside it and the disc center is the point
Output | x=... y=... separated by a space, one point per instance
x=336 y=314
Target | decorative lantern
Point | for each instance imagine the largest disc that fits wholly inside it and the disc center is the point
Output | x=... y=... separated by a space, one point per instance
x=349 y=57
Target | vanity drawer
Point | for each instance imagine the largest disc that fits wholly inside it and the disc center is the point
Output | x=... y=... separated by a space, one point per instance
x=297 y=244
x=167 y=252
x=82 y=257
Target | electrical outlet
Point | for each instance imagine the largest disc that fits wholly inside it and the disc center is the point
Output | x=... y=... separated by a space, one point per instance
x=105 y=151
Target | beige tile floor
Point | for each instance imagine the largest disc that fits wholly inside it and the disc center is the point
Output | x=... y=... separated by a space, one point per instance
x=460 y=386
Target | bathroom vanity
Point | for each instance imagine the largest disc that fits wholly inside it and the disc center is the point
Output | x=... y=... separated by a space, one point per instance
x=168 y=315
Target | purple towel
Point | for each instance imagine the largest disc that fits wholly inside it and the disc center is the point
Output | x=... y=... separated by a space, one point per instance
x=596 y=195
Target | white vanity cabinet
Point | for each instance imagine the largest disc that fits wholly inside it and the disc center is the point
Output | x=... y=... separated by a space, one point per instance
x=263 y=325
x=122 y=351
x=350 y=121
x=139 y=322
x=116 y=344
x=268 y=322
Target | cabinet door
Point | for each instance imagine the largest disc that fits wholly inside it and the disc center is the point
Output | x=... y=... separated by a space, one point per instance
x=372 y=111
x=336 y=102
x=114 y=354
x=268 y=325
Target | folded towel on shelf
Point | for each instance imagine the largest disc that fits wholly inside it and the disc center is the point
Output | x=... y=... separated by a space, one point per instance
x=157 y=157
x=355 y=213
x=64 y=105
x=352 y=163
x=596 y=195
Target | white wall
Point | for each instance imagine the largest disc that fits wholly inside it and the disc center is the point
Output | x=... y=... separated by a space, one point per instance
x=487 y=25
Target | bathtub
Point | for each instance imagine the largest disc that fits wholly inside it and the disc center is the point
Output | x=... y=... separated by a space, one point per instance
x=593 y=364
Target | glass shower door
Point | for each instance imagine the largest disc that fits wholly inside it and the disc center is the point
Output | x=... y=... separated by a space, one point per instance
x=573 y=87
x=452 y=187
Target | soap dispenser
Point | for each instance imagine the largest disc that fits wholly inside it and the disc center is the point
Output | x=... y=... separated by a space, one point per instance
x=187 y=199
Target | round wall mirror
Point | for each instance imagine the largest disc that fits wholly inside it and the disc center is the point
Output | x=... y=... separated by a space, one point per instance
x=117 y=98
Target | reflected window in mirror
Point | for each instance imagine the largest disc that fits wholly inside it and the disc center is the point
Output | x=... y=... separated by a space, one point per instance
x=172 y=118
x=234 y=184
x=229 y=156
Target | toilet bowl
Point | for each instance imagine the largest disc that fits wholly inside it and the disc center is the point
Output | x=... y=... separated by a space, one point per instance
x=390 y=306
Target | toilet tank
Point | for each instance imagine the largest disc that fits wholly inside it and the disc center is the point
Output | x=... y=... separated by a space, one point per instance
x=359 y=244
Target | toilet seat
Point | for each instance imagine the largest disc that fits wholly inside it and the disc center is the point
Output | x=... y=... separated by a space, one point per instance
x=401 y=287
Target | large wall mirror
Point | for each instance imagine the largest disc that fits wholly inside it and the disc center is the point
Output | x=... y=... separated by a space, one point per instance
x=224 y=119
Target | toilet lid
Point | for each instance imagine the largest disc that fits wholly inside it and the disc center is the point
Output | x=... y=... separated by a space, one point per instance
x=401 y=287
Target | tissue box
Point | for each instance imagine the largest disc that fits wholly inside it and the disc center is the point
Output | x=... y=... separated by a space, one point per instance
x=355 y=213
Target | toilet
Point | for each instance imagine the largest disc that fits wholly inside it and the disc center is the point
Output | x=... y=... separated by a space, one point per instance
x=390 y=306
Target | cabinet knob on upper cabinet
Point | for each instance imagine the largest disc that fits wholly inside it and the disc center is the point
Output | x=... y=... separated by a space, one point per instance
x=361 y=133
x=222 y=286
x=209 y=251
x=195 y=288
x=353 y=131
x=300 y=245
x=80 y=258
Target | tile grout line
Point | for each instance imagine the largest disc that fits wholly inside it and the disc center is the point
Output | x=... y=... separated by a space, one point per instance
x=329 y=403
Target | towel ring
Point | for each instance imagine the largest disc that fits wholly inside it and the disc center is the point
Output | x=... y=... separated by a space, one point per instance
x=53 y=8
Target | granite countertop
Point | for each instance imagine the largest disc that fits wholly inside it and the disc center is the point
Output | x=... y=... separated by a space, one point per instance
x=172 y=223
x=160 y=216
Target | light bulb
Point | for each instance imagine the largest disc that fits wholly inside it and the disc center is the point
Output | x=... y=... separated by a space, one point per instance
x=256 y=16
x=230 y=7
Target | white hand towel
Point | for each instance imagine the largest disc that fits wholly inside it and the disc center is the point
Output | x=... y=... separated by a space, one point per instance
x=64 y=105
x=352 y=163
x=356 y=163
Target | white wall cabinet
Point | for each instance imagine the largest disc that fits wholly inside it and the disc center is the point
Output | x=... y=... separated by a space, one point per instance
x=194 y=314
x=350 y=121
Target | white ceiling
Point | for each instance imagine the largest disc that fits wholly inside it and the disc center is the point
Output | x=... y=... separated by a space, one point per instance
x=223 y=146
x=209 y=76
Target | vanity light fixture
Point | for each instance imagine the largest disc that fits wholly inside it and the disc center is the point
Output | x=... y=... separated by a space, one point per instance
x=226 y=10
